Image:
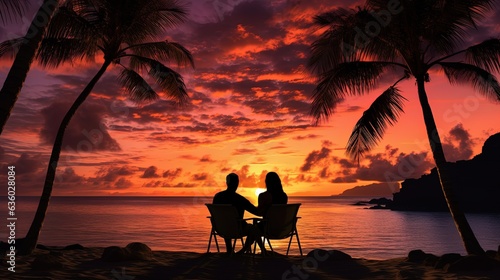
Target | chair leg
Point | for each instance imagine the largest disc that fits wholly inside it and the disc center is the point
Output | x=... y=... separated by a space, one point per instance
x=216 y=243
x=298 y=241
x=234 y=244
x=214 y=235
x=263 y=244
x=209 y=242
x=268 y=242
x=289 y=243
x=243 y=244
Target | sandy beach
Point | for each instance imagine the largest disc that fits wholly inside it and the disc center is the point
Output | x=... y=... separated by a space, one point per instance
x=90 y=263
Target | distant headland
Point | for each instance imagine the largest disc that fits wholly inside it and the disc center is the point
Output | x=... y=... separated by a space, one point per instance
x=476 y=181
x=372 y=190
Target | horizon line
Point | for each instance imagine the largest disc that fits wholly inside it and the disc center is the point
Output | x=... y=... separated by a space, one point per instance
x=333 y=195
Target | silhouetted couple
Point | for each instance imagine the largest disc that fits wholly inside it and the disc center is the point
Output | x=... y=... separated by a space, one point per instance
x=273 y=195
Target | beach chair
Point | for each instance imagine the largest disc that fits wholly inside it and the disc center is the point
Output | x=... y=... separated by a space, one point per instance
x=225 y=223
x=280 y=222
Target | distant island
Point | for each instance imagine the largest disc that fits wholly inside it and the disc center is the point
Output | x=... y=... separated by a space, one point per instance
x=476 y=181
x=372 y=190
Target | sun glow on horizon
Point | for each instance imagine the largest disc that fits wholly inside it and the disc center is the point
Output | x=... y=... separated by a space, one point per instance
x=259 y=191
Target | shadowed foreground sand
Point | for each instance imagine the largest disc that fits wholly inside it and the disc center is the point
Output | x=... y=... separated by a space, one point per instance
x=89 y=263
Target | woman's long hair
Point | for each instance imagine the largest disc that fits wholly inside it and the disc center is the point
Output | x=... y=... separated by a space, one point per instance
x=273 y=183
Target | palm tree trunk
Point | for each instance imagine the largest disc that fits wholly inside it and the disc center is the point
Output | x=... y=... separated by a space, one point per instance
x=31 y=238
x=21 y=65
x=468 y=238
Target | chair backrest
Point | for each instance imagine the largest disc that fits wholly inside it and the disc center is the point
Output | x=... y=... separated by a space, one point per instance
x=281 y=220
x=225 y=220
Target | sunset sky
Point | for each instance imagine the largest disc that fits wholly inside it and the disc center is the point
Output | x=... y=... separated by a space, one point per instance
x=250 y=97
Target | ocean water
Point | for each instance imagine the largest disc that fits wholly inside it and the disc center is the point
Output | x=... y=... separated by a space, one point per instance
x=181 y=224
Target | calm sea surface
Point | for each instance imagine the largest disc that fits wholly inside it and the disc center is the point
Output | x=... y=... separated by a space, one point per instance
x=180 y=224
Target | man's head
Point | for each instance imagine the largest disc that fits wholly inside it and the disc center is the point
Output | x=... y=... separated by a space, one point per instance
x=232 y=181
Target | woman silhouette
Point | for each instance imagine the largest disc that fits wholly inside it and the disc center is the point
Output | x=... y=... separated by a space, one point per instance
x=273 y=195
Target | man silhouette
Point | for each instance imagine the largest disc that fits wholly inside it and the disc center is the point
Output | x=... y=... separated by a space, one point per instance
x=229 y=196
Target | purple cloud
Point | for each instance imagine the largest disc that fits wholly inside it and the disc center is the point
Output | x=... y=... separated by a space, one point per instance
x=458 y=145
x=85 y=133
x=150 y=172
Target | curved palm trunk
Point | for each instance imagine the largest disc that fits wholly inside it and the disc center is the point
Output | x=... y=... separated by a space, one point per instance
x=468 y=238
x=31 y=238
x=21 y=65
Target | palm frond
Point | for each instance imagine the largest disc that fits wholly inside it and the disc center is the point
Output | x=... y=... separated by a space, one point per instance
x=370 y=128
x=90 y=10
x=337 y=16
x=56 y=51
x=68 y=23
x=152 y=19
x=70 y=35
x=10 y=47
x=165 y=51
x=480 y=79
x=169 y=80
x=139 y=90
x=12 y=10
x=336 y=44
x=472 y=11
x=345 y=40
x=171 y=13
x=445 y=24
x=485 y=55
x=326 y=53
x=347 y=78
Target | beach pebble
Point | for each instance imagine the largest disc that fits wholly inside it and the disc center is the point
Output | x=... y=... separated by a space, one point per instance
x=317 y=252
x=336 y=255
x=139 y=251
x=416 y=256
x=74 y=247
x=447 y=259
x=332 y=255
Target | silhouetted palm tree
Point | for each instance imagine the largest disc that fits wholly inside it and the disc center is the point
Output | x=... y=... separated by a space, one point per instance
x=123 y=31
x=360 y=46
x=28 y=46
